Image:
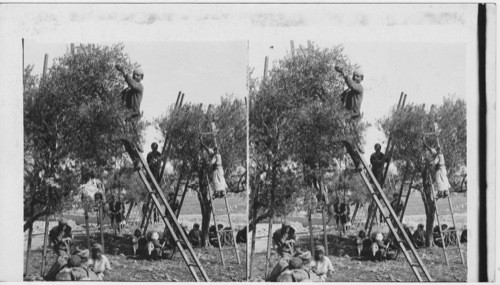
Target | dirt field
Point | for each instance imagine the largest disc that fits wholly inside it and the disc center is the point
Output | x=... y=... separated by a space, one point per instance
x=118 y=249
x=342 y=252
x=349 y=268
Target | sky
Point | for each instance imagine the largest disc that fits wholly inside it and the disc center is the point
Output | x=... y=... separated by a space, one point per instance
x=204 y=71
x=427 y=72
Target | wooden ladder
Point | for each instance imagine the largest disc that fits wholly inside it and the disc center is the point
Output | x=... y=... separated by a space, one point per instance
x=168 y=216
x=377 y=192
x=232 y=231
x=442 y=232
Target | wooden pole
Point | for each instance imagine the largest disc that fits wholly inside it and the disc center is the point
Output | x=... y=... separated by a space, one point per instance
x=407 y=198
x=269 y=239
x=28 y=250
x=132 y=203
x=87 y=230
x=101 y=213
x=292 y=48
x=311 y=232
x=45 y=62
x=356 y=208
x=45 y=240
x=72 y=49
x=24 y=79
x=46 y=232
x=266 y=61
x=325 y=213
x=182 y=99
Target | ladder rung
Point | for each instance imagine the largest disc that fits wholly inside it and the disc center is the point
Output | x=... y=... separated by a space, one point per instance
x=446 y=213
x=415 y=264
x=226 y=231
x=227 y=248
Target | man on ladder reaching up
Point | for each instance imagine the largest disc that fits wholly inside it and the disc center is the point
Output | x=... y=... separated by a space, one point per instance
x=352 y=102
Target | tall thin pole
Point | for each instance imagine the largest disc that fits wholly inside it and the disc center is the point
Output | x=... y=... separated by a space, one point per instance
x=269 y=238
x=46 y=232
x=292 y=48
x=266 y=60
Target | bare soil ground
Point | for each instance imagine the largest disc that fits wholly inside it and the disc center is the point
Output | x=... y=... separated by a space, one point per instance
x=119 y=249
x=349 y=268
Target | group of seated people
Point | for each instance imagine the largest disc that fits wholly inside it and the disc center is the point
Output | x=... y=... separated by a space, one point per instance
x=302 y=267
x=74 y=264
x=377 y=247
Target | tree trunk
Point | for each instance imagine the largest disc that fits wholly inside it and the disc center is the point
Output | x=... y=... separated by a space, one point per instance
x=430 y=207
x=205 y=205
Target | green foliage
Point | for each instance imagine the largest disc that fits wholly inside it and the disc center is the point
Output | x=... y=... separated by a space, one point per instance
x=296 y=119
x=72 y=119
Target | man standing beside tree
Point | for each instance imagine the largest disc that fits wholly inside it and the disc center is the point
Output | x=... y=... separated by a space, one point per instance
x=351 y=99
x=377 y=160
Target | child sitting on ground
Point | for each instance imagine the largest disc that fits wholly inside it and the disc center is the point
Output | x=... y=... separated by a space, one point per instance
x=99 y=263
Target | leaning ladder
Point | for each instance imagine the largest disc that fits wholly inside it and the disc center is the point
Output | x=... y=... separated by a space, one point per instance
x=231 y=229
x=165 y=153
x=159 y=199
x=441 y=232
x=388 y=151
x=376 y=192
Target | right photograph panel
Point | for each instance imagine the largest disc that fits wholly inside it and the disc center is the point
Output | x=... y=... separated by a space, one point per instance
x=358 y=160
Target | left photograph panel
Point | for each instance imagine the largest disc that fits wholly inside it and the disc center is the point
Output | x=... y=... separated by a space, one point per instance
x=135 y=161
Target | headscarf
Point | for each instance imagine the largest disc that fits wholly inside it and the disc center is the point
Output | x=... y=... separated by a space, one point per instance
x=138 y=71
x=358 y=71
x=285 y=224
x=98 y=246
x=295 y=263
x=74 y=261
x=320 y=248
x=63 y=221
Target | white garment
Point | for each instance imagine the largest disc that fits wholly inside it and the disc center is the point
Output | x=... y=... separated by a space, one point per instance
x=321 y=267
x=100 y=265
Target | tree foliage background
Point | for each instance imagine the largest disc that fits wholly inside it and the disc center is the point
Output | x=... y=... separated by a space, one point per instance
x=73 y=119
x=297 y=123
x=409 y=126
x=187 y=127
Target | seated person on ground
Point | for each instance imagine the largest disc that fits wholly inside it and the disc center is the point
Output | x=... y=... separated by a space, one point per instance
x=74 y=271
x=99 y=263
x=60 y=263
x=279 y=267
x=437 y=236
x=241 y=236
x=135 y=240
x=379 y=248
x=322 y=265
x=60 y=236
x=299 y=272
x=284 y=238
x=306 y=257
x=195 y=235
x=360 y=240
x=156 y=248
x=463 y=236
x=142 y=247
x=419 y=236
x=212 y=235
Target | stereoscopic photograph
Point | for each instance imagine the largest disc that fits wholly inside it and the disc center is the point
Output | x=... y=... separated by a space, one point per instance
x=241 y=142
